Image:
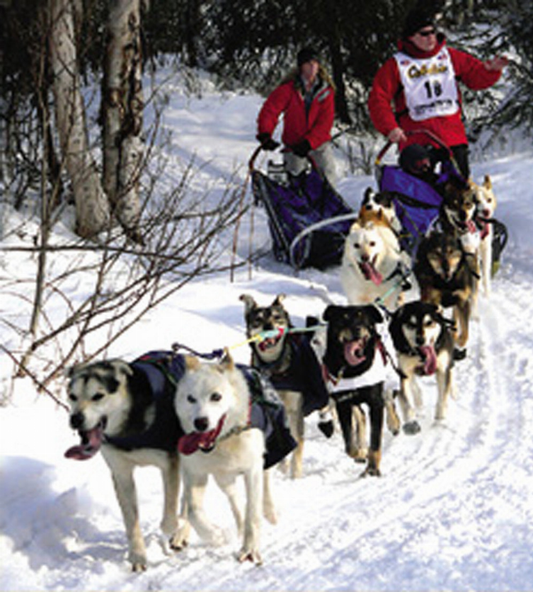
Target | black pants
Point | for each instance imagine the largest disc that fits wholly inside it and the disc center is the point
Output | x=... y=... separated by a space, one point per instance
x=460 y=155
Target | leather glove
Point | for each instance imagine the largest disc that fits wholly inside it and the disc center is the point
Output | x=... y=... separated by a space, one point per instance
x=302 y=148
x=266 y=141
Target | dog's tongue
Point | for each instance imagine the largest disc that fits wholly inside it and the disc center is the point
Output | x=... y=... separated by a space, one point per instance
x=353 y=353
x=430 y=359
x=471 y=226
x=371 y=273
x=190 y=443
x=91 y=442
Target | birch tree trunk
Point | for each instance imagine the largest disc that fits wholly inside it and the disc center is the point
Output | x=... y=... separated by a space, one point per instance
x=92 y=208
x=122 y=106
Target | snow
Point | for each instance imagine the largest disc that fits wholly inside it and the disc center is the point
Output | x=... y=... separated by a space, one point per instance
x=453 y=509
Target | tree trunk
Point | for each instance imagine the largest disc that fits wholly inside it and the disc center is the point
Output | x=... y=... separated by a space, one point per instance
x=122 y=111
x=92 y=210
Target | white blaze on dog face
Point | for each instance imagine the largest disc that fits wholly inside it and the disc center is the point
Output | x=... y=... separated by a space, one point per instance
x=204 y=395
x=421 y=332
x=269 y=322
x=364 y=243
x=486 y=200
x=100 y=392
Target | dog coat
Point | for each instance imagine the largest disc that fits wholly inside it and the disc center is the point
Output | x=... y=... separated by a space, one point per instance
x=304 y=375
x=268 y=414
x=161 y=370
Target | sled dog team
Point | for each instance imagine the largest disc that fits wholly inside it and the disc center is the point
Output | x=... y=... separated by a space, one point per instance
x=194 y=418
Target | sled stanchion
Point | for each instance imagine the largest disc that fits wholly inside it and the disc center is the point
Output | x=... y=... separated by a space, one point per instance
x=241 y=210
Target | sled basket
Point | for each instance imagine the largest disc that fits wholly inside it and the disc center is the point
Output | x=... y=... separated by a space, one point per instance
x=416 y=202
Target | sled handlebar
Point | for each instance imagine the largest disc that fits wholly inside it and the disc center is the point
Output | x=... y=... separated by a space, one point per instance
x=427 y=133
x=255 y=154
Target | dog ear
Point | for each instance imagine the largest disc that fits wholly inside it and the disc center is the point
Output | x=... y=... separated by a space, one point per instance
x=121 y=366
x=487 y=182
x=367 y=196
x=279 y=300
x=249 y=303
x=330 y=312
x=374 y=313
x=227 y=362
x=191 y=362
x=394 y=324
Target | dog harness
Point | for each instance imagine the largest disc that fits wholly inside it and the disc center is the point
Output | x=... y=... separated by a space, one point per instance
x=302 y=373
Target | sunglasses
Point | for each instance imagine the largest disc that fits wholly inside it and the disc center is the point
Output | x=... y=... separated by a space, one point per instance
x=426 y=33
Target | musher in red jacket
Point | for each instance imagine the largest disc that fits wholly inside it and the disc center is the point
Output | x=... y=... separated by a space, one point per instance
x=306 y=97
x=418 y=88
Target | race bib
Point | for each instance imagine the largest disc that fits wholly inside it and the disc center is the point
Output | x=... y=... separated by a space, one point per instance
x=429 y=85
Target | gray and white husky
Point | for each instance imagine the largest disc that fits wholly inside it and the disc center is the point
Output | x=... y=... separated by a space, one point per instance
x=126 y=411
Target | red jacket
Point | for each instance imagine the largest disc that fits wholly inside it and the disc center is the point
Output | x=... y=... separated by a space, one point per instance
x=386 y=102
x=315 y=127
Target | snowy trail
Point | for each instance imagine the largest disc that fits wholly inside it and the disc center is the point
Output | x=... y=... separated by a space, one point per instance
x=454 y=507
x=451 y=510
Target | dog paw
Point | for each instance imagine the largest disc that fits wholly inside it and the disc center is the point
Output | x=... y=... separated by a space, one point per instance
x=138 y=562
x=326 y=427
x=411 y=428
x=459 y=354
x=177 y=543
x=251 y=555
x=180 y=539
x=371 y=472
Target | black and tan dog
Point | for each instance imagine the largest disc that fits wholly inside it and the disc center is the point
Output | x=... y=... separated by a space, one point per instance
x=458 y=207
x=424 y=347
x=355 y=371
x=446 y=277
x=289 y=362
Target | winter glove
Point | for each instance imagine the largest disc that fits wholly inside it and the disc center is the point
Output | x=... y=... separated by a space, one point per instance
x=302 y=148
x=266 y=141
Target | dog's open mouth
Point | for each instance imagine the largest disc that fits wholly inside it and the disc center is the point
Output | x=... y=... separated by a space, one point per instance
x=354 y=352
x=270 y=342
x=429 y=359
x=467 y=226
x=204 y=441
x=368 y=269
x=91 y=440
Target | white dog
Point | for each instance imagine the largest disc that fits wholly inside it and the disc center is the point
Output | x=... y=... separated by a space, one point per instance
x=213 y=404
x=373 y=266
x=486 y=206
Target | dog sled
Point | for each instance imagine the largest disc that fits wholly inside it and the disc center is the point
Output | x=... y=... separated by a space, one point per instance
x=417 y=203
x=308 y=220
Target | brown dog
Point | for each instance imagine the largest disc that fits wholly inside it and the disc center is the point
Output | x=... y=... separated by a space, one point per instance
x=446 y=278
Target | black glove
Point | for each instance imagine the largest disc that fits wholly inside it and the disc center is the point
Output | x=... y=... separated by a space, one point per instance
x=302 y=148
x=266 y=141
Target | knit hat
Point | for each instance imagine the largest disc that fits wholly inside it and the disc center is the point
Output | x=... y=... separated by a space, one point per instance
x=416 y=20
x=306 y=55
